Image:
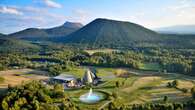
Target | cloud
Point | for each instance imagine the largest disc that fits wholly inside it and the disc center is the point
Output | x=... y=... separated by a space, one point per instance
x=179 y=13
x=21 y=20
x=12 y=24
x=183 y=11
x=31 y=9
x=80 y=15
x=136 y=16
x=52 y=4
x=32 y=16
x=49 y=3
x=182 y=5
x=10 y=10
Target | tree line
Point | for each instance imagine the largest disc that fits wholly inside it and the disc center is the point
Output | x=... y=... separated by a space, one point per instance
x=56 y=61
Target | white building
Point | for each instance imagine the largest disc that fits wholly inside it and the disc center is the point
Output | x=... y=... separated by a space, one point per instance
x=90 y=77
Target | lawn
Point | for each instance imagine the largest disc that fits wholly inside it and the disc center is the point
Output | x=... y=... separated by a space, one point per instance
x=77 y=72
x=150 y=67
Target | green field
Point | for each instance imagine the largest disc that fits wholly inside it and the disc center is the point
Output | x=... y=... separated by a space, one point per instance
x=150 y=67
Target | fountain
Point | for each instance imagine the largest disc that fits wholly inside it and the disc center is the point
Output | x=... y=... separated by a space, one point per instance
x=91 y=97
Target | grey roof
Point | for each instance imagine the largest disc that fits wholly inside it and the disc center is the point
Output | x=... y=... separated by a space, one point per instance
x=65 y=77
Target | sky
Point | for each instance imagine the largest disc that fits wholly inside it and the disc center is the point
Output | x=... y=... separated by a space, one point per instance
x=16 y=15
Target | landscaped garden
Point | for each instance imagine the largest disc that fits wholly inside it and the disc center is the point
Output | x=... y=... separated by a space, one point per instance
x=134 y=89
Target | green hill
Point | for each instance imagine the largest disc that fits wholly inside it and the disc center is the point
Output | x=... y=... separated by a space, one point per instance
x=14 y=45
x=1 y=35
x=104 y=32
x=120 y=34
x=35 y=34
x=65 y=29
x=30 y=34
x=179 y=40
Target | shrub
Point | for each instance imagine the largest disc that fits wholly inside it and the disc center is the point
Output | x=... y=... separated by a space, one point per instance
x=165 y=99
x=184 y=90
x=2 y=79
x=121 y=73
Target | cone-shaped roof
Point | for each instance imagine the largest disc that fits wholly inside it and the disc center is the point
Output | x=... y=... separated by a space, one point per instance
x=88 y=77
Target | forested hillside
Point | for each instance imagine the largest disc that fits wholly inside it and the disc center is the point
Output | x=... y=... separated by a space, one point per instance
x=36 y=34
x=14 y=45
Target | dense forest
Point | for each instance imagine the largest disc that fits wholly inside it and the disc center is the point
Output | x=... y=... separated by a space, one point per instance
x=56 y=61
x=36 y=96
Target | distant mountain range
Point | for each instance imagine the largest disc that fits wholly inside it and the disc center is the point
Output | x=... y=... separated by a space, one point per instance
x=16 y=41
x=179 y=29
x=105 y=33
x=35 y=34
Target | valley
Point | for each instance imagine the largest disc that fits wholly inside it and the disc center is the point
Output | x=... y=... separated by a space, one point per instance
x=140 y=75
x=97 y=55
x=104 y=65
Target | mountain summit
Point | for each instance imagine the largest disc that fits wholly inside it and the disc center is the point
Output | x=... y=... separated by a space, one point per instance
x=105 y=32
x=72 y=24
x=34 y=34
